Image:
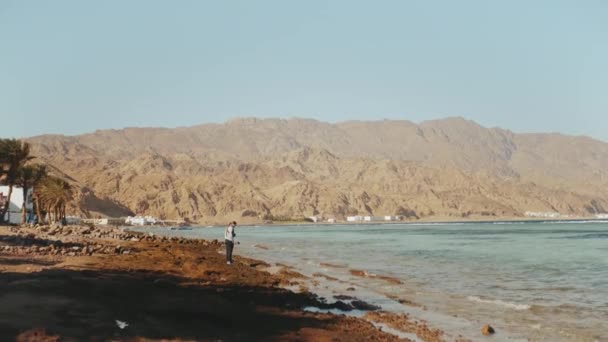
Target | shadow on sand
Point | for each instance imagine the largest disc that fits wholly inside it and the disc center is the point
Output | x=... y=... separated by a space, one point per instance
x=12 y=261
x=26 y=241
x=85 y=304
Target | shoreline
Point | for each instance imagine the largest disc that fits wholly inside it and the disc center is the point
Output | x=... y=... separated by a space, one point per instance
x=457 y=313
x=85 y=281
x=375 y=223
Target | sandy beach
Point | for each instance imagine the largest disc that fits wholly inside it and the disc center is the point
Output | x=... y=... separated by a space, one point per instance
x=99 y=284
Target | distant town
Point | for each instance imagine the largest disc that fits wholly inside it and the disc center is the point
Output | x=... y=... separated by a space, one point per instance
x=14 y=214
x=15 y=209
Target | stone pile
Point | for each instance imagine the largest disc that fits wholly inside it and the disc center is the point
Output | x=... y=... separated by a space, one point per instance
x=116 y=234
x=30 y=244
x=83 y=231
x=48 y=241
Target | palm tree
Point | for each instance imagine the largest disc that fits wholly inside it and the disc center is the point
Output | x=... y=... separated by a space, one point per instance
x=2 y=166
x=30 y=177
x=24 y=180
x=54 y=194
x=40 y=173
x=3 y=163
x=13 y=156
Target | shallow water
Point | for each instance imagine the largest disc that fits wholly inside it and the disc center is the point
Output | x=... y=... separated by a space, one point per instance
x=538 y=281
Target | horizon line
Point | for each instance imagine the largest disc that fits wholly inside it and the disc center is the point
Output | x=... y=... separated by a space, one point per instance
x=290 y=118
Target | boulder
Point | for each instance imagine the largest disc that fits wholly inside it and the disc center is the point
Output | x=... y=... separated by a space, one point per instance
x=487 y=330
x=361 y=305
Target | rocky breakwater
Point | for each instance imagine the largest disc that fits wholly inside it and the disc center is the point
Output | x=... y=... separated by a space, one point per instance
x=56 y=240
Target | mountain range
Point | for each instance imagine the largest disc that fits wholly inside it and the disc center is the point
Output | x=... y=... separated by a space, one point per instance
x=253 y=169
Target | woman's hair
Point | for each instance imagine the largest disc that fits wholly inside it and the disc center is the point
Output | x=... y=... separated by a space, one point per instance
x=234 y=223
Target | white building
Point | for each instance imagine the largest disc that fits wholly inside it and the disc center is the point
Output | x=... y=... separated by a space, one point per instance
x=141 y=220
x=105 y=221
x=542 y=214
x=354 y=218
x=331 y=220
x=315 y=219
x=602 y=216
x=373 y=218
x=73 y=220
x=13 y=215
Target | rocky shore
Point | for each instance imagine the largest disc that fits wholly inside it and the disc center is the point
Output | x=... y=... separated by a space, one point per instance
x=78 y=283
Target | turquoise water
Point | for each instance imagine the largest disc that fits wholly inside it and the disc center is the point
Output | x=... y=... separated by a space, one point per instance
x=539 y=281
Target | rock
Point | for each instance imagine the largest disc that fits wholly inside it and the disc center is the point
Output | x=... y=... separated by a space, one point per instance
x=344 y=297
x=358 y=273
x=350 y=289
x=361 y=305
x=340 y=305
x=487 y=330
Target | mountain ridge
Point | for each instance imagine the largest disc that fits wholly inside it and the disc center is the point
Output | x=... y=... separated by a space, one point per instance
x=298 y=167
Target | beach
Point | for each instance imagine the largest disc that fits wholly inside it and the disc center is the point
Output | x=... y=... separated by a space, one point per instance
x=417 y=282
x=98 y=284
x=532 y=281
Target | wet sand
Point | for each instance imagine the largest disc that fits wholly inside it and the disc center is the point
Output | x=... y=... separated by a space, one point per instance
x=80 y=284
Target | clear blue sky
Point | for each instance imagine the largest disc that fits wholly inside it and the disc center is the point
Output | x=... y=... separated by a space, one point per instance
x=76 y=66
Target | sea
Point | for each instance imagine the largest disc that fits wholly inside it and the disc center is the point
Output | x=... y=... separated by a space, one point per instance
x=531 y=281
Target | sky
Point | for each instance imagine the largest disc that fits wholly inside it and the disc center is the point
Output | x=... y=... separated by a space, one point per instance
x=71 y=67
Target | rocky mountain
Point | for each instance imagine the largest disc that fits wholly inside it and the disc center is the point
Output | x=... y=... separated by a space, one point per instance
x=287 y=169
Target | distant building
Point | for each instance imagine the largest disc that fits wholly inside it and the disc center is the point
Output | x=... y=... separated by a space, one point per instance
x=141 y=220
x=13 y=215
x=354 y=218
x=106 y=221
x=331 y=220
x=314 y=219
x=542 y=214
x=602 y=216
x=373 y=218
x=74 y=220
x=393 y=218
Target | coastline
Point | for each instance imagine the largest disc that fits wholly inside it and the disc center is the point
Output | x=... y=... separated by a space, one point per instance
x=83 y=283
x=78 y=282
x=428 y=290
x=480 y=220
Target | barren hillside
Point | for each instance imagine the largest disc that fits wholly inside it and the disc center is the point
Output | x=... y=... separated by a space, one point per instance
x=287 y=169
